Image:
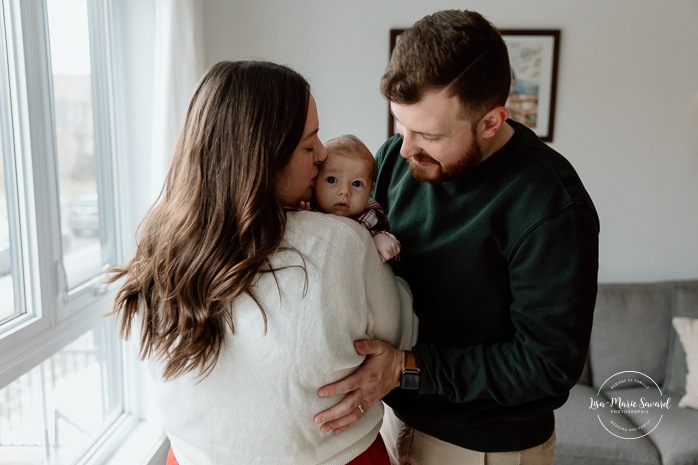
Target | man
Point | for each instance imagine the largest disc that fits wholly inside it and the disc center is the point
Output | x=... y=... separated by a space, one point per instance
x=500 y=247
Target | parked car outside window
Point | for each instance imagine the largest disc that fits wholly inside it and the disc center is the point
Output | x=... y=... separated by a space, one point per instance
x=83 y=216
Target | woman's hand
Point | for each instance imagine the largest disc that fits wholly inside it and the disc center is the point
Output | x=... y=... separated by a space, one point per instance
x=304 y=206
x=378 y=375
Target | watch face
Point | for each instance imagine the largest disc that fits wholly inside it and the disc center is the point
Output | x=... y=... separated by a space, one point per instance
x=409 y=380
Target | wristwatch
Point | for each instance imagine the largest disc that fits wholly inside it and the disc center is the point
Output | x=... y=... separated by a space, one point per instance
x=410 y=375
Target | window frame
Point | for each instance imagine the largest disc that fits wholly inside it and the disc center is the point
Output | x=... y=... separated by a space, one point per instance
x=10 y=168
x=61 y=315
x=52 y=311
x=30 y=116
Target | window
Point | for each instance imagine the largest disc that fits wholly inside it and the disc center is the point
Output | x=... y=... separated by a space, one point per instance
x=47 y=413
x=7 y=303
x=9 y=307
x=61 y=374
x=82 y=133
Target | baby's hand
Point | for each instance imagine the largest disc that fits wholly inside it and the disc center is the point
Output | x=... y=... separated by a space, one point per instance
x=304 y=205
x=388 y=247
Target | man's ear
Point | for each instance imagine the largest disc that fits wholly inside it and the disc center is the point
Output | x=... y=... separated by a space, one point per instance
x=492 y=121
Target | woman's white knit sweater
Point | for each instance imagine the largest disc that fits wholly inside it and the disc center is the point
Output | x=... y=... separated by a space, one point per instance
x=258 y=403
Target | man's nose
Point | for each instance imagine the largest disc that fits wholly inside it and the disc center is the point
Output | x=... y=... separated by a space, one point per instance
x=409 y=147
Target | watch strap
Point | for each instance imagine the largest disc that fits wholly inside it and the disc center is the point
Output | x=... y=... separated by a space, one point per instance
x=410 y=376
x=410 y=361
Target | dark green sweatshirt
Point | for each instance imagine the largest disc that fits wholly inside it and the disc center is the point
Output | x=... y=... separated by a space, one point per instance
x=503 y=266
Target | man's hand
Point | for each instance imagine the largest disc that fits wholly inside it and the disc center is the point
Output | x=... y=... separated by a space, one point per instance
x=377 y=376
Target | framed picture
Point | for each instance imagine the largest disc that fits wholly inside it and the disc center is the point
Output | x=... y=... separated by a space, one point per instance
x=533 y=55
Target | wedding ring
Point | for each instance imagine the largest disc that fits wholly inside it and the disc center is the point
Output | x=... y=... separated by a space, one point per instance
x=361 y=407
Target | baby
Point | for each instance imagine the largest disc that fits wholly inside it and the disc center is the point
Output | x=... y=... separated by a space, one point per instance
x=343 y=188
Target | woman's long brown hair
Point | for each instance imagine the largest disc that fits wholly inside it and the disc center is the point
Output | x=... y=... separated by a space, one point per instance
x=218 y=218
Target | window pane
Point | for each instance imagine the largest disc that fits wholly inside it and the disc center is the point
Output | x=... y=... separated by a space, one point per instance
x=75 y=139
x=55 y=412
x=11 y=303
x=7 y=302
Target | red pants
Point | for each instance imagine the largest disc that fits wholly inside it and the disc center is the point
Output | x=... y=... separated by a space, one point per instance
x=376 y=454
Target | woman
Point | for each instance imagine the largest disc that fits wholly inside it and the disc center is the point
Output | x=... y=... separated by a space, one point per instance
x=244 y=305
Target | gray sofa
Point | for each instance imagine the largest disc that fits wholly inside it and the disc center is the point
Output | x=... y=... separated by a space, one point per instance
x=633 y=332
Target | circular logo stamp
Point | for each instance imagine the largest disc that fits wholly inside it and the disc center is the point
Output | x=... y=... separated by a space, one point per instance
x=630 y=405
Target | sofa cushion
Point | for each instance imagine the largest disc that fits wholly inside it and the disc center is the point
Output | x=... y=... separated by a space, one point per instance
x=684 y=304
x=582 y=440
x=687 y=329
x=675 y=436
x=631 y=330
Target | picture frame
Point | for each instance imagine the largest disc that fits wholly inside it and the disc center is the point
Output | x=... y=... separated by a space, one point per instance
x=533 y=55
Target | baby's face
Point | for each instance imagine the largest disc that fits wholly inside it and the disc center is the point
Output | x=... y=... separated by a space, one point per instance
x=343 y=186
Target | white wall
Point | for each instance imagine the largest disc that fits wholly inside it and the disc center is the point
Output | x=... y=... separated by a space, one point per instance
x=627 y=100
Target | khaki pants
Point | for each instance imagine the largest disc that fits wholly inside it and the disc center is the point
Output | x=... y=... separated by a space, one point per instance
x=407 y=446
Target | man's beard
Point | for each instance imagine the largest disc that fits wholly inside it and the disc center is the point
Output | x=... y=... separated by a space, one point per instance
x=437 y=173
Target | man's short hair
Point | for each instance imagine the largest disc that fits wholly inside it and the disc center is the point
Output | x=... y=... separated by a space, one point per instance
x=450 y=48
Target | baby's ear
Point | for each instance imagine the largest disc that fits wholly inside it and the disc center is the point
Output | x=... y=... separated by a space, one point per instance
x=373 y=185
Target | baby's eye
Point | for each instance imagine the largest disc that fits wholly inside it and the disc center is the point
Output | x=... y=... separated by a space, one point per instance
x=331 y=180
x=357 y=184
